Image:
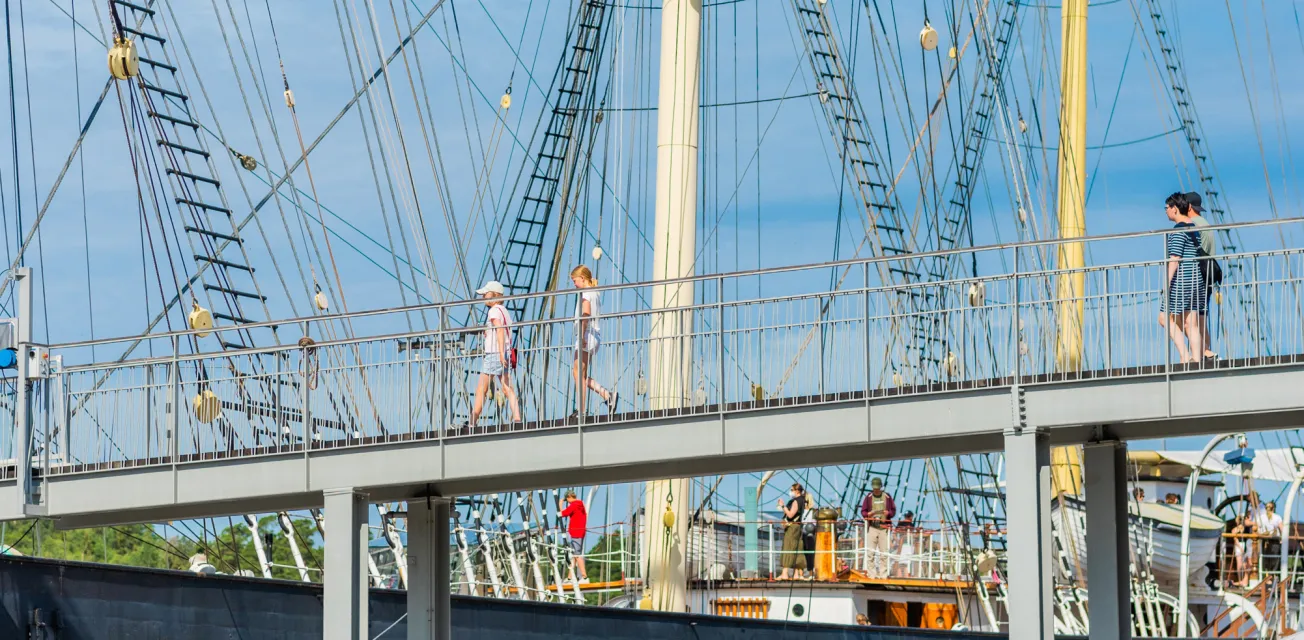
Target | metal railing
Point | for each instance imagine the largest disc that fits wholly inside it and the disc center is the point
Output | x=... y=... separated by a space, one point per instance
x=803 y=342
x=925 y=551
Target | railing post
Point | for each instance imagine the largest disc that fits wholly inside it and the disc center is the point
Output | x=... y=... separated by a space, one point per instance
x=174 y=395
x=305 y=415
x=149 y=410
x=719 y=338
x=1018 y=330
x=865 y=281
x=407 y=385
x=439 y=351
x=1109 y=342
x=65 y=414
x=1258 y=313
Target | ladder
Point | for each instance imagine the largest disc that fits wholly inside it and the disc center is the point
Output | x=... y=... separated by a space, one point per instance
x=955 y=217
x=575 y=80
x=226 y=275
x=887 y=229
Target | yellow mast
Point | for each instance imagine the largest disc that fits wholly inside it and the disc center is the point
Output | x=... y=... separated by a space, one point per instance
x=1066 y=461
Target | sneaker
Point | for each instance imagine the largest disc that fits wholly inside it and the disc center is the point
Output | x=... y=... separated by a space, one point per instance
x=612 y=400
x=584 y=580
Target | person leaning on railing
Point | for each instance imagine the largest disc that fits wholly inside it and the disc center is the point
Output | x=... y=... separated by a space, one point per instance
x=1269 y=525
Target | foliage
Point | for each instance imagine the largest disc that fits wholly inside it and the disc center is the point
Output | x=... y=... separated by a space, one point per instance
x=135 y=545
x=141 y=545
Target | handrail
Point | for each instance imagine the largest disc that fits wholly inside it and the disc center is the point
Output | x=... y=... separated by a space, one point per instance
x=437 y=306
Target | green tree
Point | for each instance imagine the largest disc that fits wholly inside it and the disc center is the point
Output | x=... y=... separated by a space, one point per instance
x=233 y=550
x=605 y=562
x=142 y=545
x=134 y=545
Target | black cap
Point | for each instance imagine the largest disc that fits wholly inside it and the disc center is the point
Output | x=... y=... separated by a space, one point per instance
x=1193 y=199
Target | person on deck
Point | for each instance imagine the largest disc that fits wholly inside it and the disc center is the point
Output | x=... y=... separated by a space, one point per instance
x=1269 y=524
x=793 y=558
x=1241 y=555
x=495 y=365
x=1186 y=292
x=1208 y=246
x=878 y=509
x=573 y=508
x=587 y=342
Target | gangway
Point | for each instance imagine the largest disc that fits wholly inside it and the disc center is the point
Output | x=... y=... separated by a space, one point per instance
x=119 y=450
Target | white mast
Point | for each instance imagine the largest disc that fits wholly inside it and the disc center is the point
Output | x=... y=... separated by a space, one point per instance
x=674 y=252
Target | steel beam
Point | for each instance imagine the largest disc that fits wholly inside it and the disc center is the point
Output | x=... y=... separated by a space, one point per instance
x=344 y=604
x=1107 y=544
x=429 y=614
x=1027 y=510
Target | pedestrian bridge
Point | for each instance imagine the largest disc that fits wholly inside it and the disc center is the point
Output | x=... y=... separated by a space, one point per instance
x=820 y=364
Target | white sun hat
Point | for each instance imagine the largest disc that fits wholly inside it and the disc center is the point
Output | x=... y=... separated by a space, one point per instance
x=493 y=286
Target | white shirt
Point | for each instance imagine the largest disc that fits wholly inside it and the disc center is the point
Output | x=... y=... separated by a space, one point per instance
x=504 y=317
x=595 y=311
x=1269 y=523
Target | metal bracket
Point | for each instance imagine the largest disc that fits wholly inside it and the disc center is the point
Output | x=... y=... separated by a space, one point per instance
x=1019 y=406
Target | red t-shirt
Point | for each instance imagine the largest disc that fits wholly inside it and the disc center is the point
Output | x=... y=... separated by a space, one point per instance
x=579 y=518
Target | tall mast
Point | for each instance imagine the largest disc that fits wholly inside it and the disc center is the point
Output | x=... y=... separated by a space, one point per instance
x=1066 y=461
x=674 y=251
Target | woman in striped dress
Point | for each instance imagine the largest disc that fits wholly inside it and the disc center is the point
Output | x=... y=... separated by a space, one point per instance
x=1185 y=299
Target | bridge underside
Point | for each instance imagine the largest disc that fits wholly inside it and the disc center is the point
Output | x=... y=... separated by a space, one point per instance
x=751 y=436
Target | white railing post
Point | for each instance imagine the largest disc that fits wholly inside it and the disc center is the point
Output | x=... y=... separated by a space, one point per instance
x=1109 y=341
x=1258 y=310
x=1015 y=328
x=174 y=395
x=719 y=339
x=867 y=349
x=439 y=351
x=305 y=390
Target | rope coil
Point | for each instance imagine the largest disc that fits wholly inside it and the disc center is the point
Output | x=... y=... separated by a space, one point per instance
x=310 y=365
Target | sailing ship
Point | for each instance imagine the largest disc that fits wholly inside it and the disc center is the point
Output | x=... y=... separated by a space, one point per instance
x=454 y=157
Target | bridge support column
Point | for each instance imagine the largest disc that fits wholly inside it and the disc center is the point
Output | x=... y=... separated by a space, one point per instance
x=344 y=604
x=1107 y=543
x=429 y=582
x=1027 y=509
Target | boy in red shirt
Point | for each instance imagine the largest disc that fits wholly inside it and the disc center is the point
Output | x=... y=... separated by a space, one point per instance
x=574 y=509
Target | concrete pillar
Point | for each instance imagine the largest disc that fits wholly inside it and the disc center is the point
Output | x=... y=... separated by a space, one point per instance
x=1027 y=510
x=344 y=604
x=429 y=582
x=1107 y=543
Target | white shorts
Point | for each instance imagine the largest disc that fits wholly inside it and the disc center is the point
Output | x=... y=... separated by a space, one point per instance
x=590 y=344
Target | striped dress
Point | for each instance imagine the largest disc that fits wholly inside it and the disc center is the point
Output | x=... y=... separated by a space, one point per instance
x=1186 y=291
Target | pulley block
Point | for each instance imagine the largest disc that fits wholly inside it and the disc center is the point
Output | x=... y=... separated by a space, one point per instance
x=124 y=61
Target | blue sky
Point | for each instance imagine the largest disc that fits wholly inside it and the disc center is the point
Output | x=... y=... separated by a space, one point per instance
x=751 y=53
x=768 y=176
